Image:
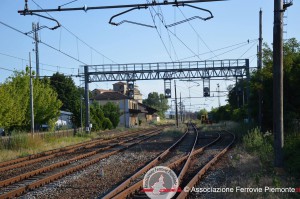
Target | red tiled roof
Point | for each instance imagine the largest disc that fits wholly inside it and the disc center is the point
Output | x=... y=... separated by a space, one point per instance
x=110 y=95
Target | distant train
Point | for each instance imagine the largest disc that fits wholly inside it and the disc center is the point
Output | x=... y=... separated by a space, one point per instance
x=206 y=119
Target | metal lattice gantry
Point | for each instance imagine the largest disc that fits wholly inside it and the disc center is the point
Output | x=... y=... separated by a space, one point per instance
x=163 y=70
x=168 y=70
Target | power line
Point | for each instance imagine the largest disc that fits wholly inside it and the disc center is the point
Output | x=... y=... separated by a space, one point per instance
x=153 y=19
x=169 y=35
x=75 y=34
x=48 y=45
x=246 y=42
x=176 y=36
x=247 y=50
x=15 y=57
x=6 y=69
x=230 y=50
x=197 y=33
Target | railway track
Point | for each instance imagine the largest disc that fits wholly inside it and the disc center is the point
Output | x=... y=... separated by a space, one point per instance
x=17 y=185
x=189 y=168
x=19 y=162
x=47 y=160
x=179 y=149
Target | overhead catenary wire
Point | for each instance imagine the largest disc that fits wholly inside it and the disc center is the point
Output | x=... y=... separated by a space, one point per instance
x=175 y=53
x=2 y=68
x=230 y=50
x=68 y=3
x=197 y=33
x=177 y=36
x=247 y=50
x=23 y=59
x=79 y=39
x=223 y=48
x=166 y=49
x=48 y=45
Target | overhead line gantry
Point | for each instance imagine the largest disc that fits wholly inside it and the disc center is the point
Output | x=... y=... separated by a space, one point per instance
x=166 y=71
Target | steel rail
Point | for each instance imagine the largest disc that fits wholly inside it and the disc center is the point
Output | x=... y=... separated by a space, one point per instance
x=154 y=162
x=187 y=163
x=21 y=190
x=66 y=162
x=84 y=146
x=202 y=171
x=63 y=149
x=137 y=186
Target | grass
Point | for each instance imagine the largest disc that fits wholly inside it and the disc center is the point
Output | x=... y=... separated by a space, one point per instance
x=259 y=144
x=253 y=158
x=20 y=144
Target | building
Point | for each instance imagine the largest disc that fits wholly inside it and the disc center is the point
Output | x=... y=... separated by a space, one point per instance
x=146 y=113
x=64 y=120
x=123 y=88
x=96 y=92
x=128 y=107
x=132 y=110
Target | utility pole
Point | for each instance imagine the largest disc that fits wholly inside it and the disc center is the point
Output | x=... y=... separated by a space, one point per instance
x=86 y=97
x=31 y=97
x=278 y=83
x=180 y=108
x=176 y=108
x=35 y=28
x=259 y=66
x=81 y=98
x=219 y=94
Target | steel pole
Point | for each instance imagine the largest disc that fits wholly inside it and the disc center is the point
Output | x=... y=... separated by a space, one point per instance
x=278 y=83
x=31 y=96
x=81 y=113
x=176 y=108
x=259 y=66
x=86 y=94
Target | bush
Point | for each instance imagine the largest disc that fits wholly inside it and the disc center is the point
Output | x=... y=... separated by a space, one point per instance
x=107 y=124
x=259 y=144
x=292 y=158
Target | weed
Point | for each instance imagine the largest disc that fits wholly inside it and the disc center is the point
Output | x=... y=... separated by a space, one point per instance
x=259 y=144
x=291 y=155
x=276 y=182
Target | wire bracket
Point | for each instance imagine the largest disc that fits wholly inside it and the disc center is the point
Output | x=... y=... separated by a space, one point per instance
x=191 y=18
x=27 y=12
x=126 y=21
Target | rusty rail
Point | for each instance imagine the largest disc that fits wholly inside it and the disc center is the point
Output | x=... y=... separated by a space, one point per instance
x=63 y=163
x=144 y=169
x=138 y=186
x=20 y=162
x=19 y=191
x=187 y=163
x=202 y=171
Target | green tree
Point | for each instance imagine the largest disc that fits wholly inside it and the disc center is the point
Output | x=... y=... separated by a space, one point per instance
x=98 y=120
x=112 y=112
x=263 y=81
x=221 y=113
x=69 y=94
x=158 y=102
x=15 y=102
x=201 y=112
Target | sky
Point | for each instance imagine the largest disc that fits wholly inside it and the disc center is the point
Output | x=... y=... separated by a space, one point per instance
x=89 y=38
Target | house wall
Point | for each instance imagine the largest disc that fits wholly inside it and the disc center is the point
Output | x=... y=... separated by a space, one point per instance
x=126 y=119
x=64 y=120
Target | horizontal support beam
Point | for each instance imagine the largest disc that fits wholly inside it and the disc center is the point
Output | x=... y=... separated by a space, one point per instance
x=169 y=70
x=85 y=8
